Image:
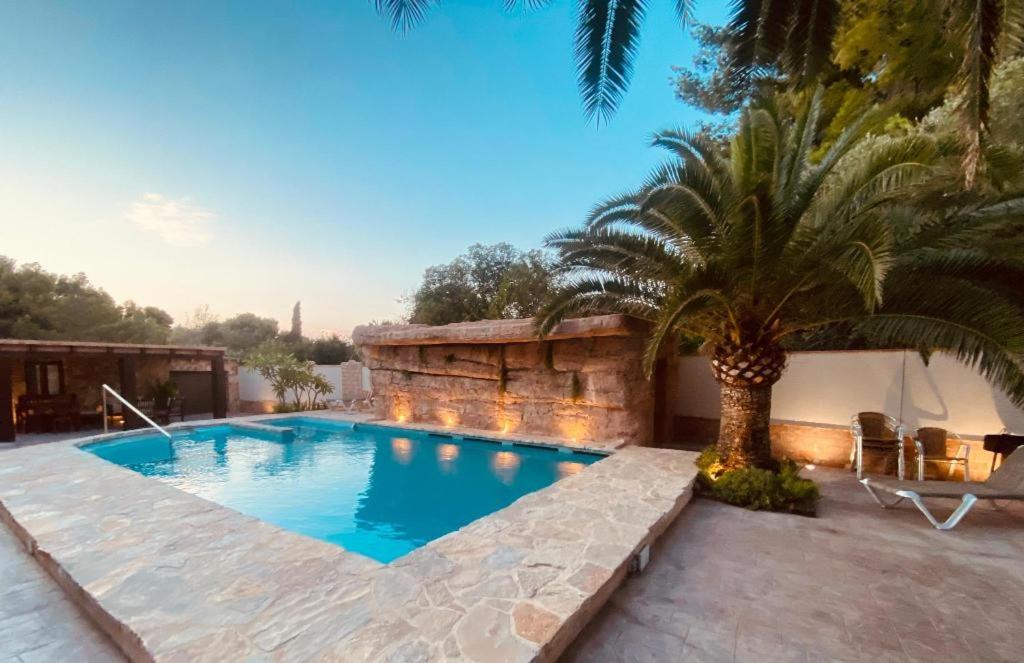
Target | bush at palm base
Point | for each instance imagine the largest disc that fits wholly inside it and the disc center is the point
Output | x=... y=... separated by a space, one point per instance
x=755 y=488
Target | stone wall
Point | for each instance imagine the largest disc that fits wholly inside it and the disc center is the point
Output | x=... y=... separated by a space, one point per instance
x=586 y=385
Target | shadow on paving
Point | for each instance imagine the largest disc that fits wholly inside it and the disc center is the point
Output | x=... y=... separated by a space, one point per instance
x=855 y=584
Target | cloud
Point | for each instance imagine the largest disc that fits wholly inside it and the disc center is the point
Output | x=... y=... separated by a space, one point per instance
x=177 y=222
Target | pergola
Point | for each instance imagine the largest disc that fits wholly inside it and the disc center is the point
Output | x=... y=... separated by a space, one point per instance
x=125 y=355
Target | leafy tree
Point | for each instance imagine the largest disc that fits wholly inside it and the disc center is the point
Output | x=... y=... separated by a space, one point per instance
x=797 y=39
x=495 y=281
x=240 y=334
x=747 y=247
x=37 y=304
x=331 y=350
x=707 y=83
x=289 y=377
x=884 y=51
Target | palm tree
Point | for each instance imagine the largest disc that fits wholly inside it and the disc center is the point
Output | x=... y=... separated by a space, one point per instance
x=745 y=247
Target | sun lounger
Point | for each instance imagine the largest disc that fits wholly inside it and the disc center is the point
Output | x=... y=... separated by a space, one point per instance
x=1006 y=483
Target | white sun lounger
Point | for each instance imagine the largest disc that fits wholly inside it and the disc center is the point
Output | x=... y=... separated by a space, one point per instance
x=1006 y=483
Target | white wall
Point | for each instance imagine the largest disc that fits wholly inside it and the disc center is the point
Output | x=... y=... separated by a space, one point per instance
x=828 y=387
x=252 y=387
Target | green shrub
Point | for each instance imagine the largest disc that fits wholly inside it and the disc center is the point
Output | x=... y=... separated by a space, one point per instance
x=755 y=488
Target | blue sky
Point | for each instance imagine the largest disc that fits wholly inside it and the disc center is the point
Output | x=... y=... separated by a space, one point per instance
x=248 y=154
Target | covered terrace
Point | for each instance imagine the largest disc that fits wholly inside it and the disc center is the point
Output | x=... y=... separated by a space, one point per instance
x=49 y=386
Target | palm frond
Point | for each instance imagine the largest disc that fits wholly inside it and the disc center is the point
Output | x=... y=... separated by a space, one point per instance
x=793 y=35
x=973 y=324
x=640 y=255
x=984 y=21
x=607 y=38
x=880 y=175
x=809 y=42
x=595 y=295
x=684 y=10
x=403 y=14
x=696 y=149
x=511 y=5
x=684 y=302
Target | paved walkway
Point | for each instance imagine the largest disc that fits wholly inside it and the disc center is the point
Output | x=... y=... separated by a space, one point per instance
x=37 y=621
x=855 y=584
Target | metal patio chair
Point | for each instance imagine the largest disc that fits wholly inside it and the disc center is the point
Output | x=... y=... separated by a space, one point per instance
x=879 y=432
x=1006 y=483
x=931 y=446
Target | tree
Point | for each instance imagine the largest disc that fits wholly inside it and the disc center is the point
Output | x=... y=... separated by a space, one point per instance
x=288 y=376
x=37 y=304
x=296 y=330
x=797 y=39
x=746 y=247
x=191 y=331
x=240 y=334
x=331 y=350
x=495 y=281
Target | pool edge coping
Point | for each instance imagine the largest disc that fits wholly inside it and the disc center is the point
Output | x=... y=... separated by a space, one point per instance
x=134 y=644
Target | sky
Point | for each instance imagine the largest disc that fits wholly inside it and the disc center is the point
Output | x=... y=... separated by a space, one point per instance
x=246 y=155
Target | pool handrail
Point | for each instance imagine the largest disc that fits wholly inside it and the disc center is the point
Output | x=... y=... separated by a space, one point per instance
x=103 y=395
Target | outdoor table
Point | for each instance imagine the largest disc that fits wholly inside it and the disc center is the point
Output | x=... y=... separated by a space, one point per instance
x=1002 y=445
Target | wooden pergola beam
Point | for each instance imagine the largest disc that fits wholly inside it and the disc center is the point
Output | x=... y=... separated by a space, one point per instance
x=7 y=432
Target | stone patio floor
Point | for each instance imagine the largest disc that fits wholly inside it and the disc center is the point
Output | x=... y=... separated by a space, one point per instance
x=855 y=584
x=37 y=621
x=725 y=584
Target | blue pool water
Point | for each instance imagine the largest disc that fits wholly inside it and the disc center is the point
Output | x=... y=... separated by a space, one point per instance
x=377 y=491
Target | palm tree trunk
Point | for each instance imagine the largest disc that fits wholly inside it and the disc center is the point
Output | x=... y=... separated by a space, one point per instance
x=744 y=435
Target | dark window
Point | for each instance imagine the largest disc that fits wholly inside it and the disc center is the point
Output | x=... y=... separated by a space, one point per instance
x=44 y=378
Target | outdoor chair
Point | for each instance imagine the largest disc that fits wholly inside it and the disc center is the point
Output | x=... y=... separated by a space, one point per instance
x=878 y=432
x=1006 y=483
x=365 y=398
x=931 y=445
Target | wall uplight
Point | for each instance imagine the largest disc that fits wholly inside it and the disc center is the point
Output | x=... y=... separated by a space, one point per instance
x=448 y=418
x=574 y=428
x=401 y=412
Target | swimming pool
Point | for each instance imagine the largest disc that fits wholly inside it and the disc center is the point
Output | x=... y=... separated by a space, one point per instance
x=374 y=490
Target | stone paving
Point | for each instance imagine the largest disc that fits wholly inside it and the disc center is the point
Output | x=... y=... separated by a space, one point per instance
x=855 y=584
x=37 y=620
x=171 y=576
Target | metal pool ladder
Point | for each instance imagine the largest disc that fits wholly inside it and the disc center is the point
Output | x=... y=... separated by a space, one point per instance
x=103 y=395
